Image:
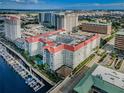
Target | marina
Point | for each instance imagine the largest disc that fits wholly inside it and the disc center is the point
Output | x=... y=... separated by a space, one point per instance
x=31 y=80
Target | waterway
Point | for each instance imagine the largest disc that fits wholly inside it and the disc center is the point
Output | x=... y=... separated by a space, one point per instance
x=11 y=82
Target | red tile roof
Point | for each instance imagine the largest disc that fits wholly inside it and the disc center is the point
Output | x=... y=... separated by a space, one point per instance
x=39 y=38
x=12 y=17
x=70 y=47
x=51 y=45
x=33 y=39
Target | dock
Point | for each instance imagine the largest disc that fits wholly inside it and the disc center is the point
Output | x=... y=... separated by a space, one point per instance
x=31 y=80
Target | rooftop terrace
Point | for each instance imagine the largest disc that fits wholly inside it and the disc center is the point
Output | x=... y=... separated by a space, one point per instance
x=58 y=40
x=70 y=39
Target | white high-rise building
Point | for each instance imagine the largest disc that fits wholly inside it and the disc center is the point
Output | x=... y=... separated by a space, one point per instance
x=12 y=28
x=45 y=18
x=71 y=21
x=59 y=21
x=62 y=20
x=53 y=23
x=66 y=21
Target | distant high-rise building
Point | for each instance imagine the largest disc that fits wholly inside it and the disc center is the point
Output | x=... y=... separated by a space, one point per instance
x=12 y=28
x=45 y=18
x=52 y=20
x=71 y=21
x=119 y=40
x=61 y=20
x=41 y=18
x=66 y=21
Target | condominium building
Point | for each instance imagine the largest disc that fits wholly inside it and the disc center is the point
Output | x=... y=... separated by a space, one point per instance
x=59 y=21
x=71 y=21
x=41 y=18
x=47 y=19
x=12 y=28
x=119 y=40
x=33 y=45
x=67 y=21
x=100 y=28
x=100 y=79
x=53 y=18
x=2 y=24
x=59 y=48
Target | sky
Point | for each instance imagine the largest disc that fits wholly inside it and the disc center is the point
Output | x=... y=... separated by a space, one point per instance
x=62 y=4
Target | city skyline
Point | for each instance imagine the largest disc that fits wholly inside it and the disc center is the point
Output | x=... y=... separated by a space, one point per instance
x=63 y=4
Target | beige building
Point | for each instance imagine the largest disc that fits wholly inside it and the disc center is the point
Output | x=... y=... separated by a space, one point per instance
x=119 y=40
x=67 y=21
x=71 y=21
x=100 y=28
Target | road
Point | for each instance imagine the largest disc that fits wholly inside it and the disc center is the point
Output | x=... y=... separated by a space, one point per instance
x=69 y=83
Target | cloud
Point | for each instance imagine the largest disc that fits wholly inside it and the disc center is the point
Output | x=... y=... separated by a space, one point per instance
x=34 y=1
x=27 y=4
x=111 y=4
x=43 y=4
x=18 y=1
x=25 y=1
x=95 y=4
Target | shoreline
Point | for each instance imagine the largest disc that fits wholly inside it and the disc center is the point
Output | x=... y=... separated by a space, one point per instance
x=19 y=59
x=29 y=65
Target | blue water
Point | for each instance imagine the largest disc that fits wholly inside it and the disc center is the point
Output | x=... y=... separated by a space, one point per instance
x=11 y=82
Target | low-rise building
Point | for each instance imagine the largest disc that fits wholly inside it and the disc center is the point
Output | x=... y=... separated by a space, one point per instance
x=100 y=79
x=101 y=28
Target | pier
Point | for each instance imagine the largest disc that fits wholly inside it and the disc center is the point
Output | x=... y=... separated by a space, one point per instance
x=31 y=80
